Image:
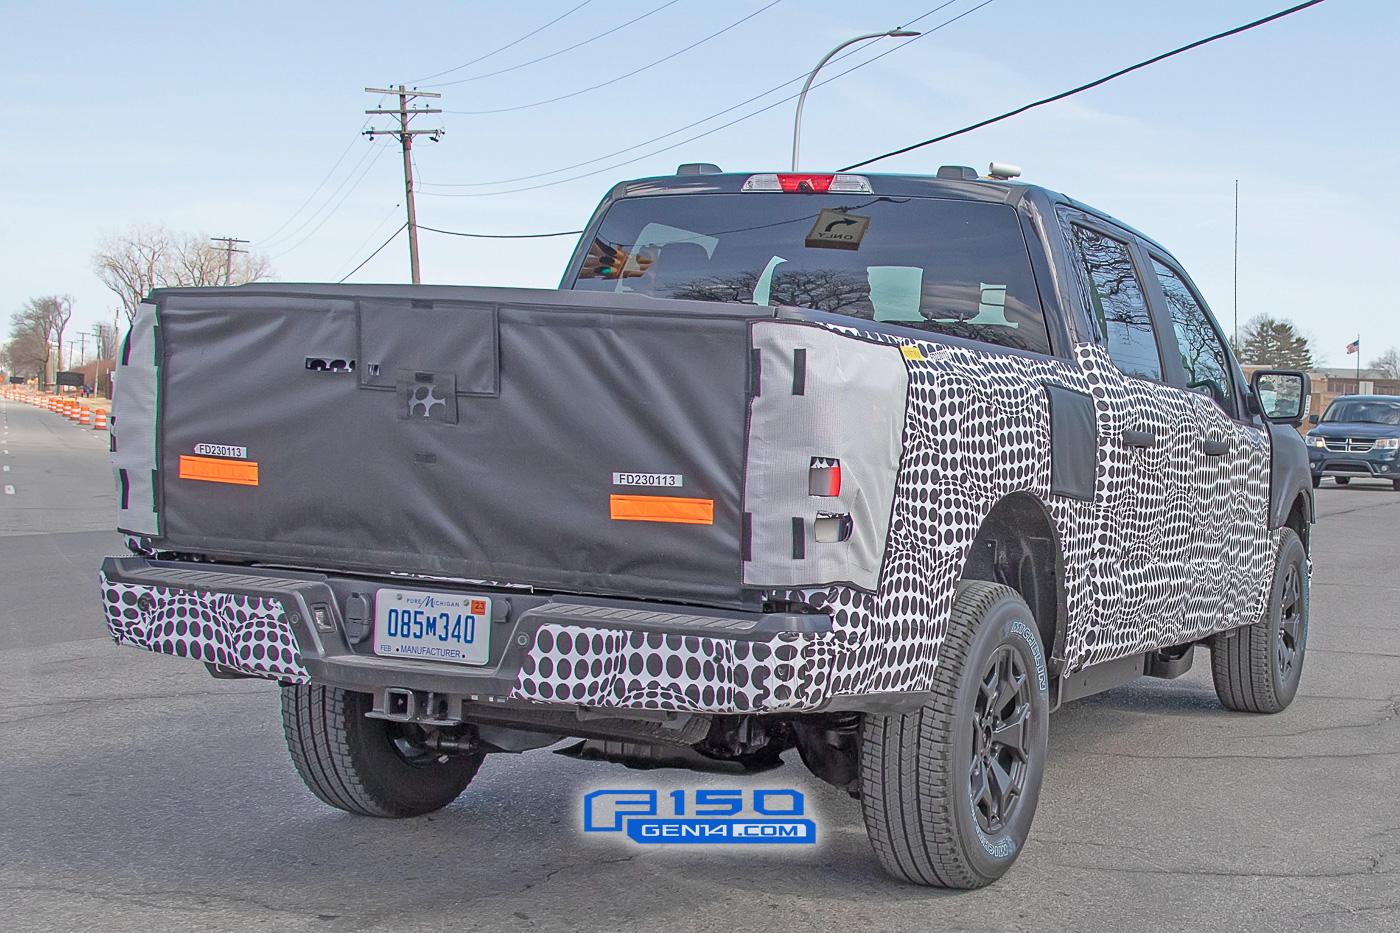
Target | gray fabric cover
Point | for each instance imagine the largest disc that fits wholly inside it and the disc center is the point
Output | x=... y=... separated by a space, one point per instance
x=1073 y=443
x=517 y=490
x=851 y=408
x=134 y=406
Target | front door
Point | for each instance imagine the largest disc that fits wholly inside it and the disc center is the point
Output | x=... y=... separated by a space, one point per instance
x=1229 y=560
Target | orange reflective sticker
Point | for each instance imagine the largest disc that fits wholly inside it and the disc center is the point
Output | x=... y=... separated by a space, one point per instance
x=663 y=509
x=218 y=470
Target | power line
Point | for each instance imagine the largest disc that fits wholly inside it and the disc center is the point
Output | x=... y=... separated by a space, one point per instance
x=373 y=254
x=1084 y=87
x=277 y=242
x=569 y=48
x=635 y=71
x=682 y=129
x=482 y=58
x=373 y=232
x=503 y=236
x=722 y=126
x=327 y=177
x=379 y=151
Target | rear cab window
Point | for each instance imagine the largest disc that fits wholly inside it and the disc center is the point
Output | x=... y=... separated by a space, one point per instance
x=946 y=266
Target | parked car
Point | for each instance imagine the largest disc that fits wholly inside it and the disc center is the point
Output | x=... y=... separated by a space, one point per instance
x=879 y=469
x=1357 y=437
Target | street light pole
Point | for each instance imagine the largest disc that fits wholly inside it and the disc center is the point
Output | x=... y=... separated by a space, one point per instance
x=802 y=97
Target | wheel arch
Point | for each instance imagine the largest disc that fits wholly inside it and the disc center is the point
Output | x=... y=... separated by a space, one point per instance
x=1300 y=519
x=1019 y=546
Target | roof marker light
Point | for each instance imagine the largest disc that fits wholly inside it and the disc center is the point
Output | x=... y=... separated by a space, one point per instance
x=806 y=183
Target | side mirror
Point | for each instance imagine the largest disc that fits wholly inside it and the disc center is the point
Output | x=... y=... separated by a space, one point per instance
x=1282 y=395
x=1312 y=419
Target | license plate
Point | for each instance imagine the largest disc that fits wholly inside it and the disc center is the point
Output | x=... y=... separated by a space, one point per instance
x=432 y=626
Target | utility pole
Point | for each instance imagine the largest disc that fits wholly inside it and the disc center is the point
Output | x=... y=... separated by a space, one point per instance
x=229 y=250
x=405 y=137
x=1237 y=266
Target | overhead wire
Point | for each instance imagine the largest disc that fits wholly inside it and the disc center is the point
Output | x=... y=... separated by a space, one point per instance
x=622 y=77
x=327 y=177
x=508 y=45
x=379 y=150
x=568 y=48
x=272 y=237
x=376 y=252
x=276 y=242
x=374 y=231
x=1085 y=87
x=502 y=236
x=678 y=130
x=722 y=126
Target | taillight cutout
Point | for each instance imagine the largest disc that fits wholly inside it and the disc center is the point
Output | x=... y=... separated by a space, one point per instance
x=824 y=477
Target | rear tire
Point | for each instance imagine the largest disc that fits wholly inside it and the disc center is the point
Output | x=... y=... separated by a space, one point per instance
x=362 y=765
x=1257 y=668
x=948 y=792
x=1342 y=480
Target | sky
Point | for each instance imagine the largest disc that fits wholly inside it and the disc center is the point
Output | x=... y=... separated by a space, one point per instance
x=243 y=119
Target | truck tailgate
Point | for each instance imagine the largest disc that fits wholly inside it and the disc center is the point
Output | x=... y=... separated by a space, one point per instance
x=582 y=442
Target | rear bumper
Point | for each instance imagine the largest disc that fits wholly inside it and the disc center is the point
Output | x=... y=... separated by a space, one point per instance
x=570 y=651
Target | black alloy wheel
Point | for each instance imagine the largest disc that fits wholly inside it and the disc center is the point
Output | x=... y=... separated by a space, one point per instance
x=1001 y=757
x=1291 y=622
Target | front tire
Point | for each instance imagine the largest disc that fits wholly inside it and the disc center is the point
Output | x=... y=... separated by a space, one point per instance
x=1257 y=668
x=366 y=766
x=948 y=792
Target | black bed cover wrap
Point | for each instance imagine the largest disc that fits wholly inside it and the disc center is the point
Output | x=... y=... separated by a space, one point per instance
x=497 y=435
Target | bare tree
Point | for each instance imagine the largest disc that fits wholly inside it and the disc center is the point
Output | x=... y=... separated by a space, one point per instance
x=57 y=311
x=26 y=353
x=40 y=324
x=132 y=263
x=1387 y=365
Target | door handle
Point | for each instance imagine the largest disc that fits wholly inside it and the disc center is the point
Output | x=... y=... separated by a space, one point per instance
x=1215 y=447
x=1136 y=438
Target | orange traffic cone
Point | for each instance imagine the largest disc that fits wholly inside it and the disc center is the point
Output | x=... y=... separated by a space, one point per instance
x=99 y=420
x=84 y=416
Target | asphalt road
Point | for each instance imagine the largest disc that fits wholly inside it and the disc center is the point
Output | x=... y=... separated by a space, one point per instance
x=137 y=793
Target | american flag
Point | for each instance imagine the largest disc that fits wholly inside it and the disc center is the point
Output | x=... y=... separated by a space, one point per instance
x=1353 y=346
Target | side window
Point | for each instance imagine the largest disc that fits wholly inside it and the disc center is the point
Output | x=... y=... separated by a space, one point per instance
x=1117 y=303
x=1202 y=354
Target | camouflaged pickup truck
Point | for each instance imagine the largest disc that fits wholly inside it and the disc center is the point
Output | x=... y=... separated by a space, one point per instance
x=877 y=469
